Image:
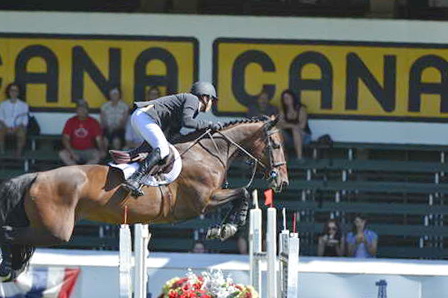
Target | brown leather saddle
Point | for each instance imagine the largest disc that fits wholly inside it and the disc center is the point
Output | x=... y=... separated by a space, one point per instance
x=139 y=154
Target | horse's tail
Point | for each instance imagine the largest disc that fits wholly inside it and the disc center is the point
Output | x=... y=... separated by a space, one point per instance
x=12 y=192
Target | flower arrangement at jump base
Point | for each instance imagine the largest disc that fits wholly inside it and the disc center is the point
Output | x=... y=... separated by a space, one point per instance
x=208 y=285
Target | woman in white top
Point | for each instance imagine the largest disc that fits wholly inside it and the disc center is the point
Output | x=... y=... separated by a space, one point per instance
x=114 y=115
x=13 y=119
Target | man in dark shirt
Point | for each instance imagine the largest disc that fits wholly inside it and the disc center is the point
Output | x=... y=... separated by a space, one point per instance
x=261 y=106
x=160 y=119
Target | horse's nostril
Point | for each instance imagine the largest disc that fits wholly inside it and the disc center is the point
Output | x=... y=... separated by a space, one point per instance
x=285 y=183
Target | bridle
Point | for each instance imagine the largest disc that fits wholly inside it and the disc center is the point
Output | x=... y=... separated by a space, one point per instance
x=270 y=147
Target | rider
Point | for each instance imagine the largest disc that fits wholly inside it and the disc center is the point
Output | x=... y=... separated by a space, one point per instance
x=160 y=119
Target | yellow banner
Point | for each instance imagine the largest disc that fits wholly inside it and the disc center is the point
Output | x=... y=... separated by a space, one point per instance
x=56 y=70
x=336 y=79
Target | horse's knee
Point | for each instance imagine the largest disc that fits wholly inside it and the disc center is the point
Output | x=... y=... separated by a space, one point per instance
x=61 y=237
x=246 y=194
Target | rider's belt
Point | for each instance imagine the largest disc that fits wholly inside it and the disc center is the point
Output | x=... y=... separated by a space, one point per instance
x=147 y=108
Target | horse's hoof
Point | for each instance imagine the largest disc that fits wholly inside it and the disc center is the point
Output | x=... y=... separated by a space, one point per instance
x=6 y=273
x=227 y=231
x=7 y=278
x=213 y=233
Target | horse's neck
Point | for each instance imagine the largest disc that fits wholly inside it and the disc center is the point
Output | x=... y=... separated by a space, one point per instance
x=244 y=135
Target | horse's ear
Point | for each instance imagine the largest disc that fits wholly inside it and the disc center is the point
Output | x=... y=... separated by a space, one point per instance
x=274 y=120
x=271 y=123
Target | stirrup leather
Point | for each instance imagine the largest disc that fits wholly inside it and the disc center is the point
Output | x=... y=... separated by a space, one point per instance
x=133 y=184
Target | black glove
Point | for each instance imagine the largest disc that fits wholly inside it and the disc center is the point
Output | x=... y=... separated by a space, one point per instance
x=215 y=126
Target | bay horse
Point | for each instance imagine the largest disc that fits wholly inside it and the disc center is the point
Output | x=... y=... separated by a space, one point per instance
x=41 y=209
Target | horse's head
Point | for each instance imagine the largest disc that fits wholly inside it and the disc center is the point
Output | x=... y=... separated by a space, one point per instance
x=274 y=156
x=259 y=140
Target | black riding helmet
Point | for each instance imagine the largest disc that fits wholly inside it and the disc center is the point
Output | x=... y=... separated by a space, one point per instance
x=204 y=88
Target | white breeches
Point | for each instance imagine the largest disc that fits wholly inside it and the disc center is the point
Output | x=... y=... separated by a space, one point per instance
x=148 y=129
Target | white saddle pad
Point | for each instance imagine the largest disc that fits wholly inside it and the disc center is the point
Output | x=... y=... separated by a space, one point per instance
x=162 y=179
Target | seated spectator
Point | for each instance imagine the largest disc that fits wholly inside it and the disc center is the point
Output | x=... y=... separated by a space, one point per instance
x=198 y=247
x=294 y=121
x=114 y=115
x=361 y=242
x=152 y=93
x=241 y=245
x=261 y=106
x=13 y=119
x=332 y=241
x=82 y=138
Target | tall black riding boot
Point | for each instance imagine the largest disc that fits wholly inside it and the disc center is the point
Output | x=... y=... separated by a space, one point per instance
x=133 y=182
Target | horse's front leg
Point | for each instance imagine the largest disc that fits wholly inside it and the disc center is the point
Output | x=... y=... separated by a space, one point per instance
x=236 y=218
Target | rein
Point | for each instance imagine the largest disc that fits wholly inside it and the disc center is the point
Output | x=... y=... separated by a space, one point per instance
x=195 y=142
x=257 y=161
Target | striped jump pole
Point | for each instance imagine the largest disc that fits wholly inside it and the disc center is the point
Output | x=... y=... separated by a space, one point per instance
x=128 y=272
x=141 y=240
x=288 y=255
x=255 y=241
x=282 y=274
x=125 y=258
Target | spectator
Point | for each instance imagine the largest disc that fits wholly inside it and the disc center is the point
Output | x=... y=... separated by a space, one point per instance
x=13 y=119
x=294 y=121
x=362 y=242
x=261 y=106
x=198 y=247
x=241 y=244
x=332 y=241
x=241 y=239
x=79 y=137
x=114 y=115
x=152 y=93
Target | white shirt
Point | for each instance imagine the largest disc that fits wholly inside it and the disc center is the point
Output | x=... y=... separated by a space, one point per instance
x=14 y=114
x=113 y=114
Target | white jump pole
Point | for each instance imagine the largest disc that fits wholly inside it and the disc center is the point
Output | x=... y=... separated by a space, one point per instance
x=125 y=258
x=284 y=284
x=271 y=251
x=141 y=240
x=255 y=249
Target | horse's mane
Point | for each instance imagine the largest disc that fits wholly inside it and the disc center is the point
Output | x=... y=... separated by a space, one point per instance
x=196 y=134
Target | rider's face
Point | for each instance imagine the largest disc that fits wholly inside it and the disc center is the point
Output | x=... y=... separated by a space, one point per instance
x=207 y=103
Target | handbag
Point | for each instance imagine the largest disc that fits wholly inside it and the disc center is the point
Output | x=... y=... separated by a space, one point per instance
x=33 y=128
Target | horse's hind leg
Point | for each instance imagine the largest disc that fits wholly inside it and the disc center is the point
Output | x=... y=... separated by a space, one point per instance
x=236 y=217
